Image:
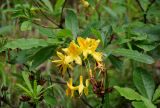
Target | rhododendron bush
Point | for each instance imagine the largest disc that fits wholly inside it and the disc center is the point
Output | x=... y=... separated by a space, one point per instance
x=79 y=54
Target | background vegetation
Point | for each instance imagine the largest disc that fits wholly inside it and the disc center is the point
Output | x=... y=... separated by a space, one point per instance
x=31 y=31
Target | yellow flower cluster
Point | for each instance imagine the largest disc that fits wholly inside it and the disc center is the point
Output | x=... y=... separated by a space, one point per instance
x=85 y=47
x=72 y=54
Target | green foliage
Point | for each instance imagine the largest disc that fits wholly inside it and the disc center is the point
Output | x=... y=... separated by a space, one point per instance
x=26 y=25
x=26 y=43
x=128 y=93
x=32 y=31
x=58 y=6
x=6 y=29
x=42 y=55
x=50 y=100
x=34 y=92
x=156 y=94
x=138 y=104
x=135 y=55
x=71 y=23
x=144 y=82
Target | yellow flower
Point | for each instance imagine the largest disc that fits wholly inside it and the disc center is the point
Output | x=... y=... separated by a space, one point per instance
x=73 y=52
x=81 y=87
x=86 y=88
x=89 y=46
x=97 y=56
x=84 y=46
x=63 y=63
x=70 y=90
x=85 y=3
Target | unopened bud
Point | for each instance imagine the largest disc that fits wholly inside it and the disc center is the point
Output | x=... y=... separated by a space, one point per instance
x=85 y=3
x=90 y=73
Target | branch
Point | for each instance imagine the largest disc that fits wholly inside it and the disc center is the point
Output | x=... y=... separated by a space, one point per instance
x=61 y=18
x=102 y=101
x=139 y=4
x=44 y=26
x=44 y=13
x=145 y=11
x=151 y=3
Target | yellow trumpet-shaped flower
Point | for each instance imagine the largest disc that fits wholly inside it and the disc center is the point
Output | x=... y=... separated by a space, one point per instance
x=84 y=46
x=82 y=88
x=70 y=90
x=86 y=87
x=89 y=46
x=63 y=63
x=73 y=52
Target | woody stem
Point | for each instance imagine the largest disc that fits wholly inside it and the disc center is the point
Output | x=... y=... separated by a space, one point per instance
x=105 y=98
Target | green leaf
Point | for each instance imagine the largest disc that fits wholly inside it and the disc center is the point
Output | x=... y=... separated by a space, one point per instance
x=128 y=93
x=39 y=89
x=156 y=94
x=25 y=89
x=26 y=25
x=64 y=33
x=47 y=88
x=148 y=103
x=98 y=34
x=133 y=54
x=71 y=22
x=91 y=2
x=25 y=77
x=26 y=43
x=58 y=5
x=144 y=82
x=42 y=55
x=138 y=36
x=116 y=62
x=24 y=56
x=46 y=31
x=111 y=12
x=48 y=4
x=138 y=105
x=35 y=87
x=146 y=47
x=50 y=100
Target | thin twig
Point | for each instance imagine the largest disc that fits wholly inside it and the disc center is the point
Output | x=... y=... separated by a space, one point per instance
x=139 y=4
x=151 y=3
x=44 y=25
x=68 y=72
x=145 y=12
x=102 y=101
x=44 y=13
x=61 y=18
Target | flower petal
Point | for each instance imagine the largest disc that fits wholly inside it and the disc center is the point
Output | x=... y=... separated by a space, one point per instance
x=86 y=91
x=78 y=60
x=60 y=55
x=97 y=56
